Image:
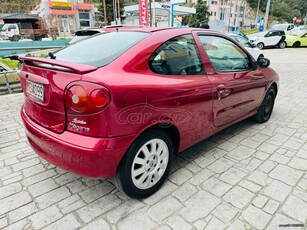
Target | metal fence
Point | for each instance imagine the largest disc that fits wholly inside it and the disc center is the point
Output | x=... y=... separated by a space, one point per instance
x=9 y=87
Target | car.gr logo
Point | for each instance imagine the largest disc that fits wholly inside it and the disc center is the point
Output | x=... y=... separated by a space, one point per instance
x=144 y=114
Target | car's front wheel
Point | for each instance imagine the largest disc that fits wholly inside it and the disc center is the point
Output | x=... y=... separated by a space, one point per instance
x=266 y=108
x=146 y=164
x=297 y=44
x=260 y=45
x=282 y=45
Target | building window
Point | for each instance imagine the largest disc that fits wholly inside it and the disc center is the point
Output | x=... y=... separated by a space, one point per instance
x=214 y=2
x=215 y=13
x=84 y=17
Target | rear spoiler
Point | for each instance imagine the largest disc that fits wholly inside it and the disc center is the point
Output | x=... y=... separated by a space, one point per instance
x=58 y=65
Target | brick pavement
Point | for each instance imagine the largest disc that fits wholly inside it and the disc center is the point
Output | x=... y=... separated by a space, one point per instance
x=249 y=176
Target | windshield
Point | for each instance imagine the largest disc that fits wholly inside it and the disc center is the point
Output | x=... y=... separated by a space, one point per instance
x=100 y=49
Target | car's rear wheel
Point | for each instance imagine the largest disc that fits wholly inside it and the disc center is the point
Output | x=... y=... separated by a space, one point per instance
x=266 y=108
x=297 y=44
x=282 y=45
x=260 y=45
x=146 y=164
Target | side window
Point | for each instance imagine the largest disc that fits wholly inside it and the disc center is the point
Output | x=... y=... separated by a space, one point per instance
x=224 y=55
x=12 y=27
x=177 y=56
x=271 y=34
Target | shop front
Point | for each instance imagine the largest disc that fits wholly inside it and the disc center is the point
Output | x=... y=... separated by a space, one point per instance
x=63 y=18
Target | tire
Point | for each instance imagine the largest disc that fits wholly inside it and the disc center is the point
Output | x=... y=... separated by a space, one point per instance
x=296 y=44
x=260 y=45
x=14 y=38
x=282 y=45
x=144 y=169
x=266 y=108
x=37 y=38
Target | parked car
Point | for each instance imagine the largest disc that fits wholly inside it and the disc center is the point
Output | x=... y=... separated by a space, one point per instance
x=87 y=32
x=240 y=33
x=250 y=47
x=297 y=39
x=286 y=27
x=124 y=109
x=272 y=38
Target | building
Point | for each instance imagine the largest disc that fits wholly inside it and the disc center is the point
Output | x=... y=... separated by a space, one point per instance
x=64 y=17
x=225 y=14
x=234 y=13
x=165 y=13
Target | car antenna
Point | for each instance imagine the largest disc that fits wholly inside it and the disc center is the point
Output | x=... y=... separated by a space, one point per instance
x=51 y=55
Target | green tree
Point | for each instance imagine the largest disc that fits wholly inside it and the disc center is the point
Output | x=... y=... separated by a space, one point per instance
x=17 y=6
x=110 y=9
x=283 y=10
x=201 y=16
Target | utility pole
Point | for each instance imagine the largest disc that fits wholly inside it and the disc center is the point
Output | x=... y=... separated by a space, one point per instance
x=257 y=12
x=105 y=13
x=266 y=15
x=118 y=9
x=218 y=9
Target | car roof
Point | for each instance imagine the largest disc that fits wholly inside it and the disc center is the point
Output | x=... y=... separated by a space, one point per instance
x=144 y=29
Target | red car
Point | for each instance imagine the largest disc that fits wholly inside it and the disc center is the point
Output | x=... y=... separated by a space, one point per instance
x=123 y=103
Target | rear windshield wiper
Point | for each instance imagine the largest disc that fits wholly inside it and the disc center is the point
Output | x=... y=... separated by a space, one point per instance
x=51 y=55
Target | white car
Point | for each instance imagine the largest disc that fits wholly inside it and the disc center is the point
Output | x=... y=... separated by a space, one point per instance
x=272 y=38
x=250 y=47
x=286 y=27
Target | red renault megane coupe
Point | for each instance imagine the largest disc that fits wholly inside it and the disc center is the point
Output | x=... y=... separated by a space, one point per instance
x=122 y=103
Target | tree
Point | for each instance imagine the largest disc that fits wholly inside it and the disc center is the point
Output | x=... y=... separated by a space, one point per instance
x=17 y=6
x=201 y=16
x=284 y=10
x=110 y=9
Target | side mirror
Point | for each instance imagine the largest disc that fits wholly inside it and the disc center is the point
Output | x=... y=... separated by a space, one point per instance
x=263 y=62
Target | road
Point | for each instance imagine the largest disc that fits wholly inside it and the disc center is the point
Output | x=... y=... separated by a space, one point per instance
x=249 y=176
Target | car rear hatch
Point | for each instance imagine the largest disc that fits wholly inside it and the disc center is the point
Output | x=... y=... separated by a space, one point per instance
x=43 y=82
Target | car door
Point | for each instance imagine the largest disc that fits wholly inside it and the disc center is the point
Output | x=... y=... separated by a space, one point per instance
x=272 y=38
x=237 y=87
x=303 y=40
x=177 y=64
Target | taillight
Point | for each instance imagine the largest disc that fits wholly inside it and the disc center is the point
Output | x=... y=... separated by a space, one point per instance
x=85 y=98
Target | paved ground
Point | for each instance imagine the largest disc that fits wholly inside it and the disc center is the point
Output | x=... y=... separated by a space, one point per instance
x=249 y=176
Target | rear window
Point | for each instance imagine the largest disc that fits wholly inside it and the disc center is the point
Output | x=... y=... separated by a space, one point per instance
x=100 y=49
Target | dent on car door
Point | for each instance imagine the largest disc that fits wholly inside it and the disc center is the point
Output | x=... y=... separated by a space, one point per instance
x=237 y=89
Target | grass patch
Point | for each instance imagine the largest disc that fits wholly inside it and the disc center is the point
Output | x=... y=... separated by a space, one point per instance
x=11 y=63
x=250 y=31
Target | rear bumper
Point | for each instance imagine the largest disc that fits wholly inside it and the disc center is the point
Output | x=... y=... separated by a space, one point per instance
x=86 y=156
